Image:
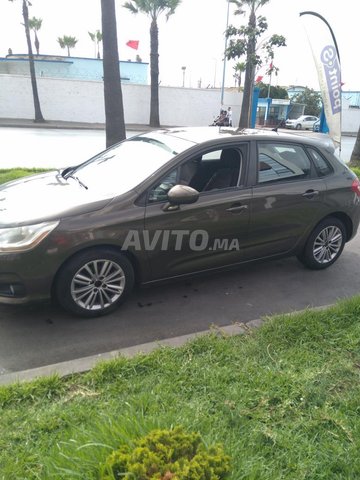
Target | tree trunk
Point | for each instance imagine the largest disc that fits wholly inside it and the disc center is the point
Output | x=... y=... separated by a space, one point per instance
x=355 y=156
x=37 y=44
x=154 y=75
x=114 y=109
x=38 y=115
x=245 y=116
x=68 y=49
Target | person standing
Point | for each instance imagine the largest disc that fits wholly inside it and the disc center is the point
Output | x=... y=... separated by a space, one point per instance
x=229 y=116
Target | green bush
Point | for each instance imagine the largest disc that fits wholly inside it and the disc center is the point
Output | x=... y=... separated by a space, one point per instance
x=356 y=170
x=167 y=455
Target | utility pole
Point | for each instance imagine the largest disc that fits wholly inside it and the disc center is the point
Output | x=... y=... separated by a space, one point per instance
x=225 y=48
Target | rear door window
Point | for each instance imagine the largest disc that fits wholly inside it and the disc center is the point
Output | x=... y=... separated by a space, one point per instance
x=282 y=162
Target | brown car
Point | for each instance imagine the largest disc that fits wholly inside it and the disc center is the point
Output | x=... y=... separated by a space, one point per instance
x=168 y=204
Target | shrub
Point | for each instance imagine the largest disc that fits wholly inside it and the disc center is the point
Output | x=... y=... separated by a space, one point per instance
x=356 y=170
x=167 y=455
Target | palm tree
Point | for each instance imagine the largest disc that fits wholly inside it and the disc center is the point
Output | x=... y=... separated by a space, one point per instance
x=35 y=25
x=239 y=69
x=67 y=42
x=153 y=8
x=25 y=12
x=96 y=37
x=114 y=109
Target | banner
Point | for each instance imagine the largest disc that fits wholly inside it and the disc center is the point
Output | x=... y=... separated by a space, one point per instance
x=326 y=56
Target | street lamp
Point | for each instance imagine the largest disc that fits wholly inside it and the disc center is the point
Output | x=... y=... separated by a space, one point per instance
x=183 y=69
x=225 y=48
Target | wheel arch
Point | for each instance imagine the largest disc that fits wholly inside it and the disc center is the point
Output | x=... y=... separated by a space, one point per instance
x=346 y=220
x=129 y=255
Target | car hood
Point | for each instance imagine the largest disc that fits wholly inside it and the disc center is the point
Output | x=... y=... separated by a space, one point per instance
x=45 y=197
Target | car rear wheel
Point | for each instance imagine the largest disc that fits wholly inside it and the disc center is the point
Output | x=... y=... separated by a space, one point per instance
x=324 y=245
x=94 y=282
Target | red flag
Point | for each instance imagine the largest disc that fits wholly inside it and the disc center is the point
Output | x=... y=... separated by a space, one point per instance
x=133 y=44
x=259 y=78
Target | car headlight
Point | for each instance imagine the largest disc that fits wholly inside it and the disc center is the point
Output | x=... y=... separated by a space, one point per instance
x=20 y=239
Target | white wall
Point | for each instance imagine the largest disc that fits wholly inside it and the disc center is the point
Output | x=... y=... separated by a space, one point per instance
x=350 y=116
x=83 y=101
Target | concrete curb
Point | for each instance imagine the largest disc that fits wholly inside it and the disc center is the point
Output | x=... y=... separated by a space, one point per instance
x=87 y=363
x=63 y=125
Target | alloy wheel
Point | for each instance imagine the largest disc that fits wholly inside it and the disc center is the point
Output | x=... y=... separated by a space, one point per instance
x=98 y=284
x=327 y=244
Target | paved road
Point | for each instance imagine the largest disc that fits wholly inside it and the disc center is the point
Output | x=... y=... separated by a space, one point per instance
x=46 y=148
x=42 y=334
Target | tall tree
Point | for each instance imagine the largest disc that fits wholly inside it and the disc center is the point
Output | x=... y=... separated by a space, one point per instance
x=35 y=25
x=114 y=109
x=96 y=37
x=67 y=42
x=243 y=43
x=311 y=99
x=25 y=12
x=355 y=156
x=153 y=8
x=275 y=92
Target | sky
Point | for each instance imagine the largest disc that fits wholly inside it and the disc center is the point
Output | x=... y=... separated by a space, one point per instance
x=193 y=37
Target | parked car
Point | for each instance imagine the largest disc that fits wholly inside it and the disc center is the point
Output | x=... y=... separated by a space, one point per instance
x=316 y=126
x=305 y=122
x=168 y=204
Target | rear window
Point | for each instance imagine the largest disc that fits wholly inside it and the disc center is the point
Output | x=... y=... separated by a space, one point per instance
x=322 y=166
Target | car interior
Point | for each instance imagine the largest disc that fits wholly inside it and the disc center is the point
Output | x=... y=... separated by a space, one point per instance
x=216 y=170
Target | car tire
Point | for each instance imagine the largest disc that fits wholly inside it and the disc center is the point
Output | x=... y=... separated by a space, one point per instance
x=298 y=126
x=324 y=245
x=94 y=282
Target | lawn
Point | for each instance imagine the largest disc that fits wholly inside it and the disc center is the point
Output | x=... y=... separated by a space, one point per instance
x=283 y=400
x=8 y=174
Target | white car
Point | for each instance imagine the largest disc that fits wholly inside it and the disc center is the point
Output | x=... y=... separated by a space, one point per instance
x=304 y=122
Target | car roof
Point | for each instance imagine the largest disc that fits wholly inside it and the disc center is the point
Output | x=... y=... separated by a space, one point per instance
x=197 y=135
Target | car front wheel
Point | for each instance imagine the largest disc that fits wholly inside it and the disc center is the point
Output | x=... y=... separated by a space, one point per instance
x=298 y=126
x=94 y=282
x=324 y=245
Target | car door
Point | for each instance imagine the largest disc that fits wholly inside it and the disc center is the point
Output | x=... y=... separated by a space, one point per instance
x=209 y=233
x=287 y=199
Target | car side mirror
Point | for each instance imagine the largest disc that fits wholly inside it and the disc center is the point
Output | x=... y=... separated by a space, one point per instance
x=181 y=195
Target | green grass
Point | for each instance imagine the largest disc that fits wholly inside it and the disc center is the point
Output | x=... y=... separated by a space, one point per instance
x=356 y=170
x=283 y=400
x=8 y=174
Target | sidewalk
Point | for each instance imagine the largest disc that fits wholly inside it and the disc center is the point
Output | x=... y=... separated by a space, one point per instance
x=58 y=124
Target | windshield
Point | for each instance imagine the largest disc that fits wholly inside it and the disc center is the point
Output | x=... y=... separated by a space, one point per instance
x=124 y=166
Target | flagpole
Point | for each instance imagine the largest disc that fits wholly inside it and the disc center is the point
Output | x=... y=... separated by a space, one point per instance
x=225 y=48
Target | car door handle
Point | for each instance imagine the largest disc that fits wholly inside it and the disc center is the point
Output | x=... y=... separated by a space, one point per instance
x=237 y=208
x=310 y=193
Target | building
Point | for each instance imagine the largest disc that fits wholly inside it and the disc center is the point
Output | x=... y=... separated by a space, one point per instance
x=74 y=68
